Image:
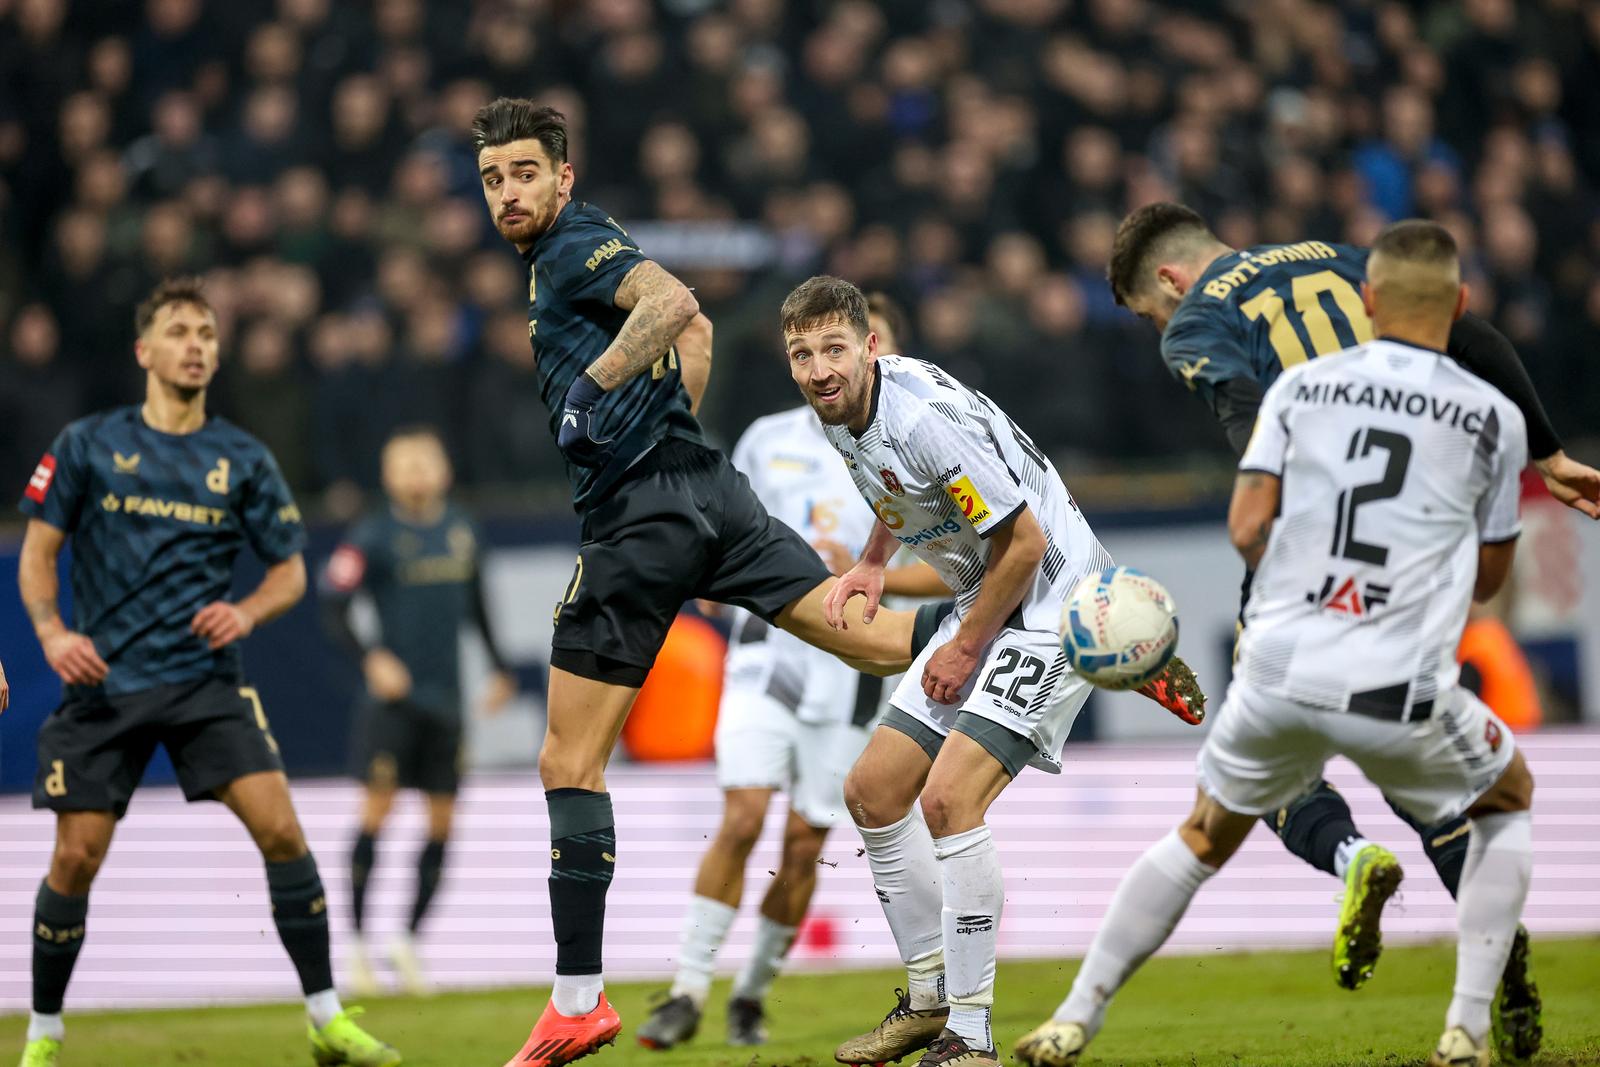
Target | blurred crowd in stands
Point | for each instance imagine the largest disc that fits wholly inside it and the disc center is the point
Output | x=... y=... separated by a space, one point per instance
x=969 y=157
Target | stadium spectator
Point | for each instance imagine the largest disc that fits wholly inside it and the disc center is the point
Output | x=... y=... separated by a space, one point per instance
x=916 y=147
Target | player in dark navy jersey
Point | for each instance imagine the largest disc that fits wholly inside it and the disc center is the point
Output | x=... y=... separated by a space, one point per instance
x=417 y=558
x=158 y=500
x=1231 y=321
x=623 y=354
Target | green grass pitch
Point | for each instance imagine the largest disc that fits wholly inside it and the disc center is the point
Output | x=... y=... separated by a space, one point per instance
x=1271 y=1009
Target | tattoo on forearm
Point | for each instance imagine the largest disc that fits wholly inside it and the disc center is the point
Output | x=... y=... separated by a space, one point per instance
x=657 y=318
x=1258 y=543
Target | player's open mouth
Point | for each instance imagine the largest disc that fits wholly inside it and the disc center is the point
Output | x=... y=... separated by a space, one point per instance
x=830 y=394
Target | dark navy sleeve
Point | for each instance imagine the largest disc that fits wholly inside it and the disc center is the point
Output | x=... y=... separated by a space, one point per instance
x=591 y=260
x=271 y=520
x=347 y=570
x=54 y=493
x=1202 y=349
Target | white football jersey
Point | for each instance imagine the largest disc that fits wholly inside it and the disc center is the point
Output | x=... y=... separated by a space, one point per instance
x=943 y=468
x=1396 y=464
x=803 y=485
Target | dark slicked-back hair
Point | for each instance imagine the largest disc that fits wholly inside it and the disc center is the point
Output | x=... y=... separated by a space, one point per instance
x=1144 y=234
x=183 y=290
x=416 y=429
x=1417 y=241
x=822 y=299
x=513 y=119
x=894 y=316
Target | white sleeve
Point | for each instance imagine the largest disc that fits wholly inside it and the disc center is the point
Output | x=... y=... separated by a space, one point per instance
x=1498 y=517
x=744 y=458
x=1269 y=441
x=956 y=452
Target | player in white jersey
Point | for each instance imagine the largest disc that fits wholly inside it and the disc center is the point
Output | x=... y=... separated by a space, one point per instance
x=1377 y=498
x=949 y=476
x=792 y=718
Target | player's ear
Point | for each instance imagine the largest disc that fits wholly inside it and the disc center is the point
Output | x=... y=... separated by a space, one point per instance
x=1462 y=299
x=1171 y=281
x=1366 y=298
x=872 y=344
x=141 y=353
x=564 y=179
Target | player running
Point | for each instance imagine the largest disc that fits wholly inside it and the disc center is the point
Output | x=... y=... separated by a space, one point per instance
x=1377 y=497
x=1231 y=322
x=418 y=559
x=621 y=350
x=950 y=476
x=158 y=501
x=792 y=718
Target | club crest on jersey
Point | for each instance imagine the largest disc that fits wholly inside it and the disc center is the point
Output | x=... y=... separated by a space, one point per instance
x=1347 y=598
x=125 y=464
x=891 y=481
x=968 y=499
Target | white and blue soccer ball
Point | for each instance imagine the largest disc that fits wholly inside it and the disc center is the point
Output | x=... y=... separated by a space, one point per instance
x=1119 y=628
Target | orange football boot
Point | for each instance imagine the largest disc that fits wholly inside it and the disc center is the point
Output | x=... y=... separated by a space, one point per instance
x=1178 y=690
x=558 y=1039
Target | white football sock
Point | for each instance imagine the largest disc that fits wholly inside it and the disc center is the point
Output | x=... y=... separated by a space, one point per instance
x=577 y=994
x=41 y=1025
x=322 y=1007
x=773 y=941
x=705 y=927
x=1346 y=852
x=1148 y=904
x=906 y=878
x=974 y=893
x=1494 y=885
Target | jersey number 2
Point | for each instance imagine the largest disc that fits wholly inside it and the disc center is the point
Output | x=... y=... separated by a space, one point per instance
x=1398 y=446
x=1308 y=290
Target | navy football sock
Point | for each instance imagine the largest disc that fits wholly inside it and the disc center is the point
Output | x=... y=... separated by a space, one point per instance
x=57 y=939
x=300 y=911
x=1445 y=844
x=1314 y=826
x=362 y=856
x=583 y=846
x=430 y=864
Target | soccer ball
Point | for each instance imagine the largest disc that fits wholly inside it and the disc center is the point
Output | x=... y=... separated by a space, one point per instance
x=1119 y=628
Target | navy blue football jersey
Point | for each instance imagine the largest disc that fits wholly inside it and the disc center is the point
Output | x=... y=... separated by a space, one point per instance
x=1256 y=311
x=574 y=269
x=156 y=521
x=420 y=577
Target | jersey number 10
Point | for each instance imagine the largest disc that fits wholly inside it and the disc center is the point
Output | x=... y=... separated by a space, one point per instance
x=1314 y=317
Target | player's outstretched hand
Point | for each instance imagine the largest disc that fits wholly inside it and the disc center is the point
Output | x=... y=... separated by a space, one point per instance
x=5 y=689
x=502 y=687
x=1575 y=484
x=861 y=580
x=73 y=656
x=387 y=677
x=221 y=624
x=576 y=436
x=947 y=672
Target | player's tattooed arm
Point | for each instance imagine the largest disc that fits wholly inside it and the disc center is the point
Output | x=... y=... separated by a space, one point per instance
x=70 y=654
x=659 y=308
x=1251 y=513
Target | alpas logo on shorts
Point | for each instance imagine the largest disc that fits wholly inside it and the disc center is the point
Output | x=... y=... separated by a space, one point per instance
x=968 y=499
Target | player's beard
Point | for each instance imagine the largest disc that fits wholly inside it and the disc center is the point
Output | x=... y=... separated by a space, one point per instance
x=536 y=218
x=852 y=402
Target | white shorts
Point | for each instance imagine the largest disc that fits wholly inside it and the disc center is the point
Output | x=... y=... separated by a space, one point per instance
x=1265 y=751
x=1022 y=683
x=762 y=745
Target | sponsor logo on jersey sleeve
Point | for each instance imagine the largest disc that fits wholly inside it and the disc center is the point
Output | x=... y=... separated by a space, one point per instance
x=43 y=475
x=969 y=500
x=346 y=567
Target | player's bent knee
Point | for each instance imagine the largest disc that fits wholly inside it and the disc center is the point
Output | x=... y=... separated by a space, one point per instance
x=74 y=865
x=562 y=768
x=873 y=803
x=948 y=813
x=280 y=838
x=741 y=828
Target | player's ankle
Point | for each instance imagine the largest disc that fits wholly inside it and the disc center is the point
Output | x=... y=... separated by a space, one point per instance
x=46 y=1024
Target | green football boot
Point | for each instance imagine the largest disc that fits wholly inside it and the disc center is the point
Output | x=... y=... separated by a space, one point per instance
x=1369 y=881
x=344 y=1044
x=41 y=1053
